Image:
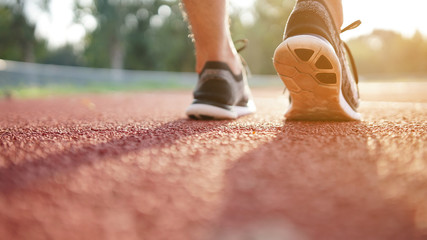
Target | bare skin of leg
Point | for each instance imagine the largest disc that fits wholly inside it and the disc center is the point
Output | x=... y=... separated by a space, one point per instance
x=210 y=26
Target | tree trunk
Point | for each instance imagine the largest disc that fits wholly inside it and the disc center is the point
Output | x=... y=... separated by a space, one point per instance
x=29 y=52
x=117 y=54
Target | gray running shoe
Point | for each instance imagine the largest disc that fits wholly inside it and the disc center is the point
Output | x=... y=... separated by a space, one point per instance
x=312 y=63
x=220 y=94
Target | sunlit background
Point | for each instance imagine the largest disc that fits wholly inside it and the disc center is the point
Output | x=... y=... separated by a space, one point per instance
x=152 y=35
x=405 y=17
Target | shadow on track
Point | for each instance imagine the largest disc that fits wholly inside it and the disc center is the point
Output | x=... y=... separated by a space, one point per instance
x=313 y=181
x=39 y=169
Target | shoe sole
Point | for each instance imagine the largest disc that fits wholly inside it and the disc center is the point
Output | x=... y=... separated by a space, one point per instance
x=200 y=111
x=311 y=71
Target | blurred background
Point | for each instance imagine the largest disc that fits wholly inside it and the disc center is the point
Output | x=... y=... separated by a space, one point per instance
x=63 y=46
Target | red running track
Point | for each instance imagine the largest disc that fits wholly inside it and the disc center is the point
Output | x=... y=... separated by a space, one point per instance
x=131 y=166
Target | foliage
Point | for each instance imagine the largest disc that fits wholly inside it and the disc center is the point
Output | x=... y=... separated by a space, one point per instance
x=65 y=55
x=17 y=34
x=147 y=35
x=105 y=46
x=152 y=35
x=165 y=47
x=265 y=34
x=388 y=52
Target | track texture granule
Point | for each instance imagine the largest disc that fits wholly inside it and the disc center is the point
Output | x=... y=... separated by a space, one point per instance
x=131 y=166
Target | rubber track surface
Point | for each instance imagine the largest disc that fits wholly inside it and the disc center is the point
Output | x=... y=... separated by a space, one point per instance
x=131 y=166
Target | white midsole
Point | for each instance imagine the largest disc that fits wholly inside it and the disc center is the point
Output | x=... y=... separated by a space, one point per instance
x=347 y=109
x=198 y=109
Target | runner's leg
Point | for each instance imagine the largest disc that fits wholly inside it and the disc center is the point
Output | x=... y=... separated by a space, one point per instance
x=210 y=27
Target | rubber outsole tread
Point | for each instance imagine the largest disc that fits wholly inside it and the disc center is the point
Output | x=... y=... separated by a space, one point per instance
x=304 y=54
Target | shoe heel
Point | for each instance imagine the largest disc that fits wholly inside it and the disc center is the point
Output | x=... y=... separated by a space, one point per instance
x=305 y=62
x=311 y=71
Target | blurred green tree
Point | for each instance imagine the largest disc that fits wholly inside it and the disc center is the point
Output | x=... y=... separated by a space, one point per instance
x=152 y=35
x=263 y=25
x=160 y=42
x=18 y=41
x=388 y=52
x=65 y=55
x=144 y=34
x=105 y=45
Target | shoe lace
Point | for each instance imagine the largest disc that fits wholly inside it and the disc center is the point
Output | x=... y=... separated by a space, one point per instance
x=244 y=43
x=353 y=25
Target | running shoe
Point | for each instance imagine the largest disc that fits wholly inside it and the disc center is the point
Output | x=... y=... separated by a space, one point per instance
x=220 y=94
x=312 y=63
